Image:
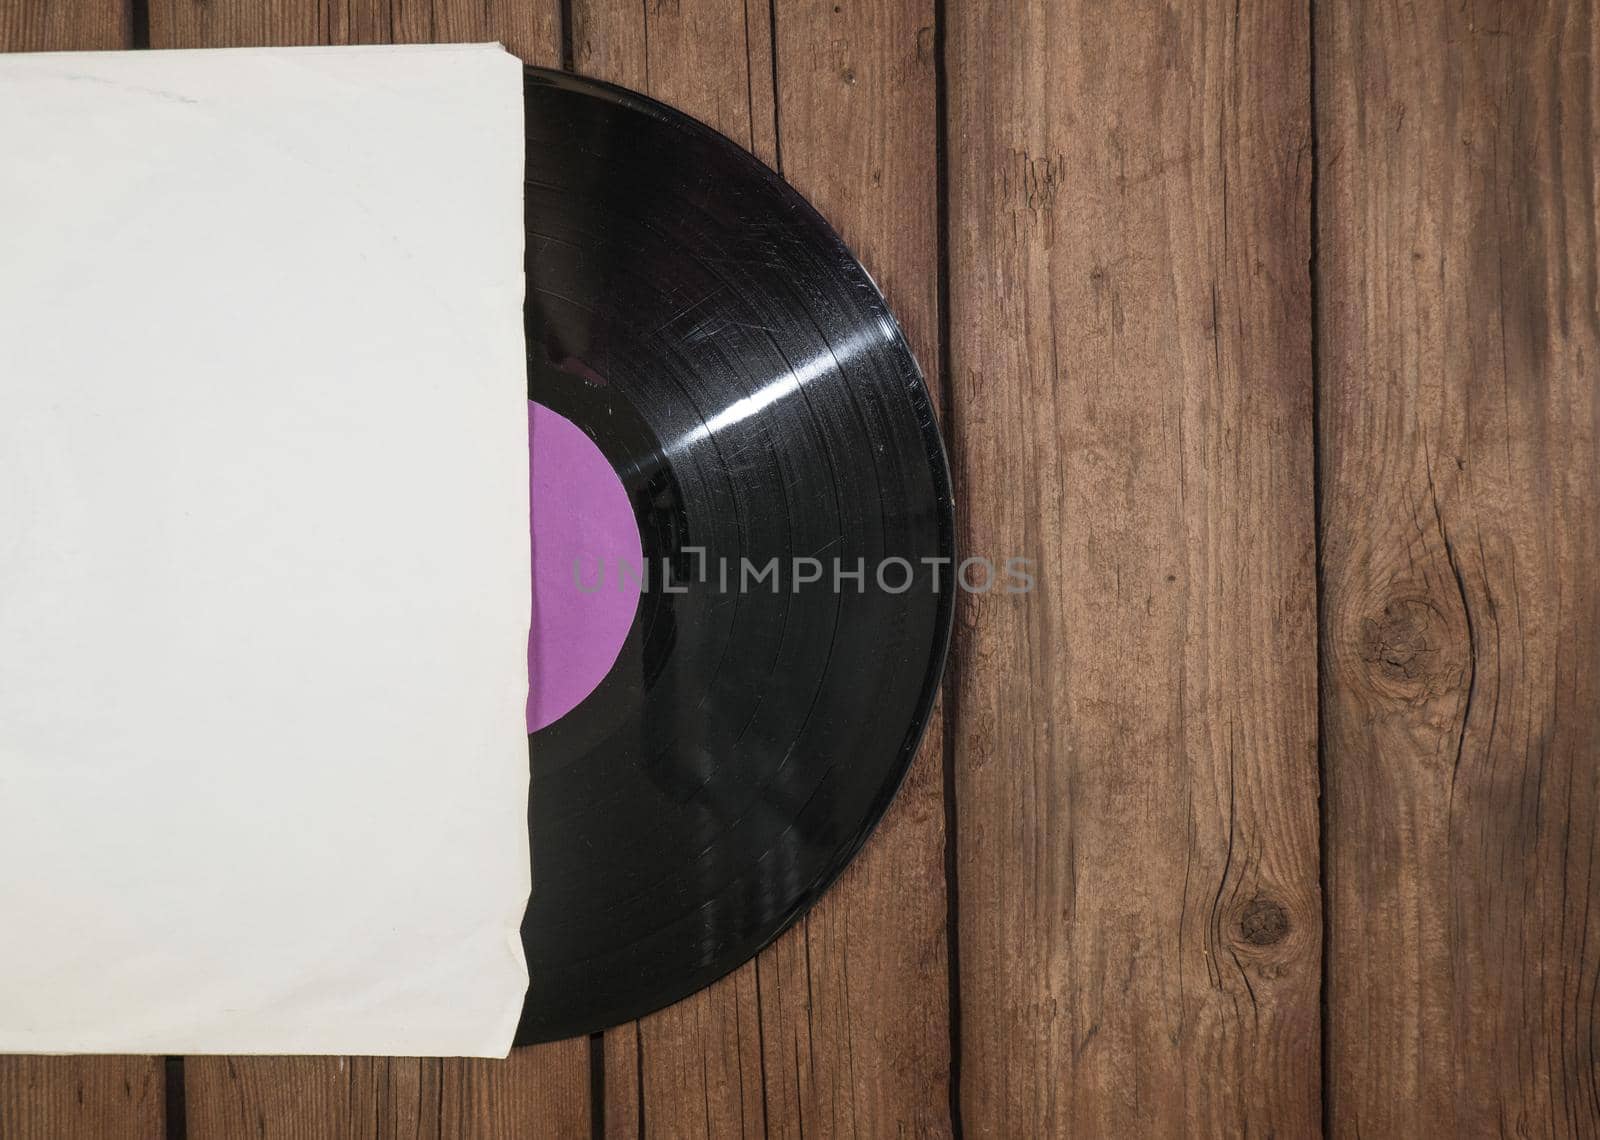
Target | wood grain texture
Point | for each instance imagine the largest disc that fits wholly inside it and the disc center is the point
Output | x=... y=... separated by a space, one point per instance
x=536 y=1092
x=528 y=28
x=840 y=1028
x=49 y=25
x=709 y=58
x=542 y=1091
x=1460 y=449
x=1136 y=738
x=81 y=1098
x=72 y=1097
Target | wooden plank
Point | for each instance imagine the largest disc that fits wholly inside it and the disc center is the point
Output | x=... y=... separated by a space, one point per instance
x=536 y=1092
x=541 y=1091
x=529 y=28
x=1135 y=739
x=307 y=1097
x=841 y=1027
x=709 y=58
x=1460 y=449
x=40 y=25
x=70 y=1097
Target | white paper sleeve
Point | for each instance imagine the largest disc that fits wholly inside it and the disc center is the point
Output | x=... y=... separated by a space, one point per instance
x=264 y=566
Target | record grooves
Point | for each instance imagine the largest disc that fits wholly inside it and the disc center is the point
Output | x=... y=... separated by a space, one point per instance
x=743 y=376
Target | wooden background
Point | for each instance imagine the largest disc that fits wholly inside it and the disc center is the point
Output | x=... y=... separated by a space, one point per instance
x=1271 y=332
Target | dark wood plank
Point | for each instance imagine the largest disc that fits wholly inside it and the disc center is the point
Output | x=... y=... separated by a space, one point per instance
x=542 y=1091
x=710 y=58
x=81 y=1098
x=308 y=1097
x=536 y=1092
x=529 y=28
x=1460 y=448
x=44 y=25
x=845 y=1018
x=1136 y=738
x=71 y=1097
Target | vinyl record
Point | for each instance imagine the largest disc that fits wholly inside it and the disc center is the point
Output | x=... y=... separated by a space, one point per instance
x=705 y=329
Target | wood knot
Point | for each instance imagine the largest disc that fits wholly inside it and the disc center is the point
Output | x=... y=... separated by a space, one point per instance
x=1263 y=922
x=1408 y=648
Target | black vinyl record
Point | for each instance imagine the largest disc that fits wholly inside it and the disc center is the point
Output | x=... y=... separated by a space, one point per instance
x=703 y=325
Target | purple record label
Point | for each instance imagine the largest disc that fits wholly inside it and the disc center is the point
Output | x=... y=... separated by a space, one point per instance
x=583 y=532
